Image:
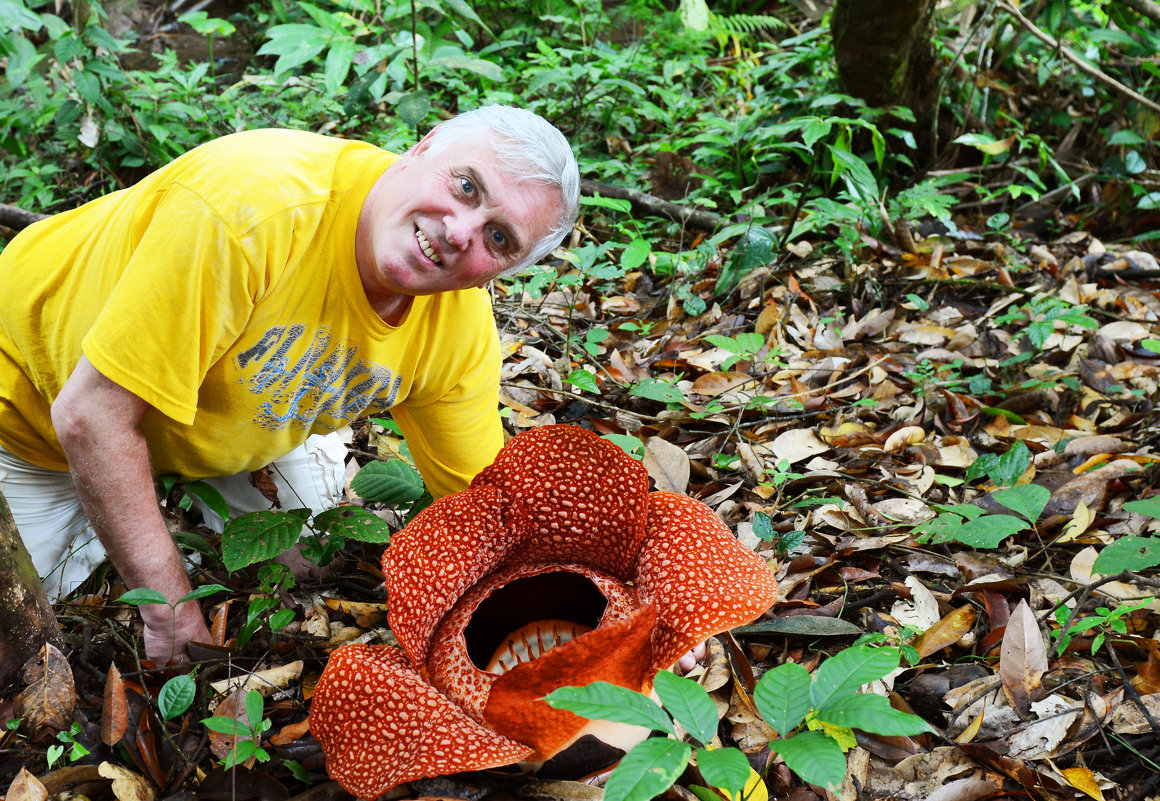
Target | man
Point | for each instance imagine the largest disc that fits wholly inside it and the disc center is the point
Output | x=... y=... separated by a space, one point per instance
x=263 y=288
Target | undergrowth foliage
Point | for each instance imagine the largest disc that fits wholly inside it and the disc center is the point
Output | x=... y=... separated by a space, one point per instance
x=867 y=326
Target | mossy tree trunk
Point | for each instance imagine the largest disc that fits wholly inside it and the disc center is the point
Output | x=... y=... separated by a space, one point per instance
x=26 y=619
x=885 y=53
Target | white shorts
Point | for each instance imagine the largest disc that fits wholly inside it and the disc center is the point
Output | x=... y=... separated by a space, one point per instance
x=65 y=549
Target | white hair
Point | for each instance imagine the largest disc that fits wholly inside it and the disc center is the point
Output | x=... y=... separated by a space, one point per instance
x=531 y=150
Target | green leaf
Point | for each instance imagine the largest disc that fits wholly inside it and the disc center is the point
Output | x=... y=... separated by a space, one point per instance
x=254 y=705
x=603 y=701
x=393 y=483
x=657 y=390
x=872 y=713
x=635 y=254
x=462 y=61
x=204 y=591
x=985 y=532
x=210 y=496
x=281 y=618
x=583 y=379
x=413 y=107
x=230 y=726
x=1011 y=465
x=726 y=768
x=258 y=536
x=857 y=174
x=782 y=696
x=143 y=596
x=353 y=523
x=176 y=696
x=614 y=203
x=763 y=527
x=464 y=9
x=1128 y=553
x=844 y=672
x=337 y=66
x=1028 y=500
x=756 y=247
x=627 y=443
x=1150 y=507
x=694 y=14
x=813 y=756
x=647 y=770
x=688 y=703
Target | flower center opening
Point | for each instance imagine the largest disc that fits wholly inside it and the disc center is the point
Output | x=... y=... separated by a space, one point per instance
x=533 y=614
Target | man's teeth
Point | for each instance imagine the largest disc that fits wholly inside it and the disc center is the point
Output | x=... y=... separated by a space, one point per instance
x=425 y=246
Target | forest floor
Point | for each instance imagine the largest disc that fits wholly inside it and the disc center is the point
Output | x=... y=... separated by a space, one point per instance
x=826 y=410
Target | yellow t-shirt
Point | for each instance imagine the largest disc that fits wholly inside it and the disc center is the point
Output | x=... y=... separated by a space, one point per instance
x=223 y=290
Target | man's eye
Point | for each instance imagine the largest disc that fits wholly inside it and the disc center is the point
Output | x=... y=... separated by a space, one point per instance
x=466 y=186
x=498 y=238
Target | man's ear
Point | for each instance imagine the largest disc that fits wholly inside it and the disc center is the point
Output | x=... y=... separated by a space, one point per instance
x=424 y=143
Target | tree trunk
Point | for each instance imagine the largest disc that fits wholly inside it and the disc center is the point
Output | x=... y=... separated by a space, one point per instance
x=26 y=619
x=884 y=51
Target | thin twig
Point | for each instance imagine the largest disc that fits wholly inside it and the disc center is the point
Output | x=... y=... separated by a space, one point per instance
x=1095 y=72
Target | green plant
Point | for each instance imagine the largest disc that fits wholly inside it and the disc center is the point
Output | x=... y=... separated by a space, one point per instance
x=744 y=346
x=247 y=734
x=68 y=738
x=143 y=596
x=1040 y=316
x=813 y=717
x=1105 y=619
x=785 y=542
x=971 y=525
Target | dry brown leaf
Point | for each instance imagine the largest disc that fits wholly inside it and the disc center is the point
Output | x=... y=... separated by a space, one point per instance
x=907 y=435
x=965 y=790
x=921 y=611
x=1022 y=659
x=797 y=444
x=26 y=787
x=264 y=681
x=946 y=632
x=291 y=732
x=115 y=713
x=127 y=785
x=1128 y=719
x=714 y=384
x=667 y=464
x=49 y=698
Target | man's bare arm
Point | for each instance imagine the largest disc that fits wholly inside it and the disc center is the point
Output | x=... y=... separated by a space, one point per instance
x=99 y=426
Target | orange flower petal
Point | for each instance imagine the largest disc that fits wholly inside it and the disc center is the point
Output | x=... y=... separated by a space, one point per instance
x=618 y=653
x=437 y=557
x=380 y=725
x=582 y=497
x=701 y=579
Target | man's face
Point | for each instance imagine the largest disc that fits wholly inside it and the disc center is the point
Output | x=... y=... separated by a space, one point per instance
x=451 y=220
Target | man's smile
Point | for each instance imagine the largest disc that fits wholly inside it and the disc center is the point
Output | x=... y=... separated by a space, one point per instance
x=425 y=246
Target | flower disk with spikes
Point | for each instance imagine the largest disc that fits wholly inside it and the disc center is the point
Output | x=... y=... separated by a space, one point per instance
x=556 y=567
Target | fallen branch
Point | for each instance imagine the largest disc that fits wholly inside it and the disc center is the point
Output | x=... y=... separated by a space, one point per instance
x=697 y=218
x=1145 y=8
x=17 y=218
x=1095 y=72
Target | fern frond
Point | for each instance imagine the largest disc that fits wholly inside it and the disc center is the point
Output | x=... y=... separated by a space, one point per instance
x=735 y=24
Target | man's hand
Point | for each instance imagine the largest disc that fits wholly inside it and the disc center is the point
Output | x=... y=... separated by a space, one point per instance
x=167 y=635
x=98 y=423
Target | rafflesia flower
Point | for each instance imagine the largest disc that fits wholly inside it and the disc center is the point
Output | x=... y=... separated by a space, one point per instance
x=557 y=567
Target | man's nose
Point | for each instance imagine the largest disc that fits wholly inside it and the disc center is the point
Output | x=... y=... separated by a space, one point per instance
x=462 y=227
